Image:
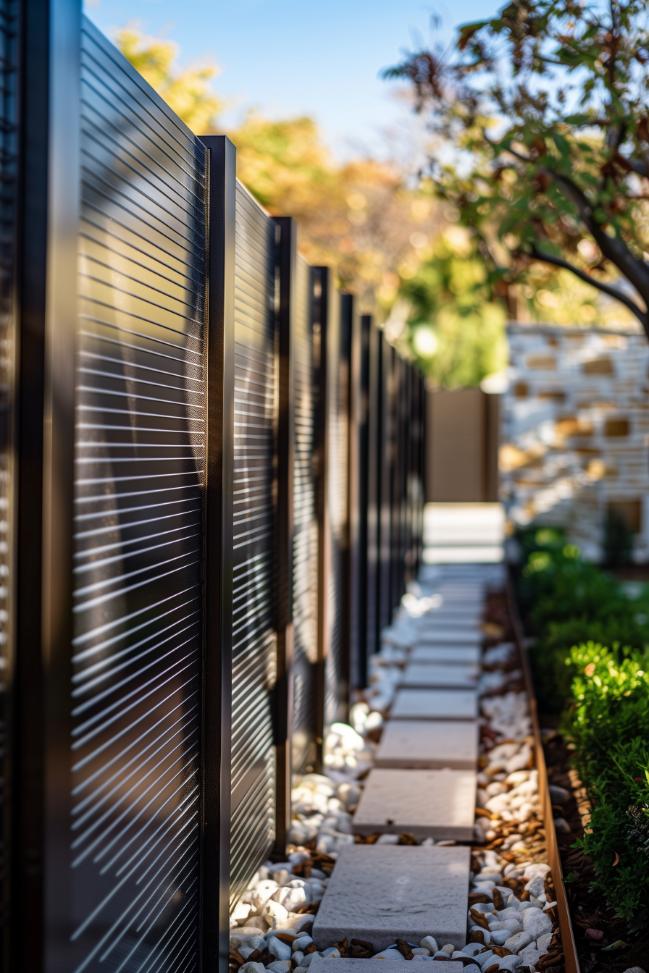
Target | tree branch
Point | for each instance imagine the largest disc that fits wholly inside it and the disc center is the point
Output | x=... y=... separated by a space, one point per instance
x=608 y=289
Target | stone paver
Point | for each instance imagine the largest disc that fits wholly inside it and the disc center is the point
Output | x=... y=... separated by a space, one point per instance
x=462 y=617
x=438 y=654
x=427 y=744
x=345 y=964
x=435 y=704
x=322 y=964
x=449 y=636
x=425 y=675
x=424 y=803
x=380 y=893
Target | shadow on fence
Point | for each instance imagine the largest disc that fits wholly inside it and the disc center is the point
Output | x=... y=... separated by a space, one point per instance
x=212 y=502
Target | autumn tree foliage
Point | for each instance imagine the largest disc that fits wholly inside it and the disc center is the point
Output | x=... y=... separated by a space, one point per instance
x=540 y=124
x=359 y=216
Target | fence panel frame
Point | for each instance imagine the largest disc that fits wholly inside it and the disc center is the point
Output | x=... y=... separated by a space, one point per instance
x=217 y=682
x=49 y=202
x=286 y=254
x=373 y=489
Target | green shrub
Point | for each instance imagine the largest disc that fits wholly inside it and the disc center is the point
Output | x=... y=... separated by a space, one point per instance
x=591 y=661
x=610 y=702
x=608 y=721
x=531 y=539
x=616 y=629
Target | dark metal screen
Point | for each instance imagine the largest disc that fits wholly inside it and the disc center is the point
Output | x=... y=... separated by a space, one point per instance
x=9 y=135
x=254 y=636
x=305 y=526
x=135 y=694
x=214 y=468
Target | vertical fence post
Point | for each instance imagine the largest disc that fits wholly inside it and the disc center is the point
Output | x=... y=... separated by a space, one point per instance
x=320 y=311
x=373 y=488
x=354 y=587
x=286 y=250
x=384 y=457
x=393 y=406
x=360 y=380
x=47 y=288
x=217 y=689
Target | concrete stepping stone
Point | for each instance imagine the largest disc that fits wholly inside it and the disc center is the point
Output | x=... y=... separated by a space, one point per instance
x=446 y=654
x=447 y=616
x=427 y=744
x=435 y=704
x=453 y=635
x=381 y=893
x=438 y=676
x=424 y=803
x=345 y=964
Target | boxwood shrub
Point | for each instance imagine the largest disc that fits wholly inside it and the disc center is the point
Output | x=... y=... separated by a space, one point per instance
x=591 y=662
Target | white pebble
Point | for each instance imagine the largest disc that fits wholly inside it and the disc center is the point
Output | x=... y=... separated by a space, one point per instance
x=536 y=922
x=518 y=941
x=510 y=963
x=530 y=955
x=389 y=953
x=278 y=949
x=275 y=914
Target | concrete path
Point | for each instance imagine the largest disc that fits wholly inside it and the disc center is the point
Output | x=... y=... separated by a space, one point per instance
x=424 y=779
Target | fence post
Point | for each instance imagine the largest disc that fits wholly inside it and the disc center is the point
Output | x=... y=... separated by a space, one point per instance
x=373 y=490
x=286 y=251
x=217 y=688
x=361 y=597
x=47 y=317
x=356 y=534
x=320 y=311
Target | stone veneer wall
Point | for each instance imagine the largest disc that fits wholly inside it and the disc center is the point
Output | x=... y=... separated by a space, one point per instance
x=575 y=431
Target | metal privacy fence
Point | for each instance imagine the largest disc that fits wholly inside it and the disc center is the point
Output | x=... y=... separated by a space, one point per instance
x=211 y=500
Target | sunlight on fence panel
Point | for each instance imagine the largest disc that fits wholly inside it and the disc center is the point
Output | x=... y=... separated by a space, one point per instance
x=138 y=548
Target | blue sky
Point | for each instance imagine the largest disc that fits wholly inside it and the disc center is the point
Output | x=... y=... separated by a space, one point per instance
x=286 y=57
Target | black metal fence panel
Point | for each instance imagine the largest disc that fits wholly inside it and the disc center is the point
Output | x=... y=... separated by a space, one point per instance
x=135 y=690
x=219 y=482
x=9 y=147
x=305 y=527
x=254 y=632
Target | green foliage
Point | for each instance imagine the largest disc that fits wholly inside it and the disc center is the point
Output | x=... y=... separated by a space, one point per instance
x=455 y=330
x=540 y=128
x=361 y=217
x=608 y=723
x=591 y=662
x=188 y=92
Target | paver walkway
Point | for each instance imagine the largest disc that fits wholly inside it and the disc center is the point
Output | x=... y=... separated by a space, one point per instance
x=423 y=782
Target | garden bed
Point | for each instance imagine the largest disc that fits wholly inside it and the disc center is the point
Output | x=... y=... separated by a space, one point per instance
x=589 y=661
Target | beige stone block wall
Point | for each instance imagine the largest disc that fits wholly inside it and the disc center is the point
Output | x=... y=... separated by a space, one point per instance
x=575 y=431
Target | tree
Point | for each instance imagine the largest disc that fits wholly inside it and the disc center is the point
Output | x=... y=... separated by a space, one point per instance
x=541 y=140
x=189 y=93
x=360 y=217
x=454 y=331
